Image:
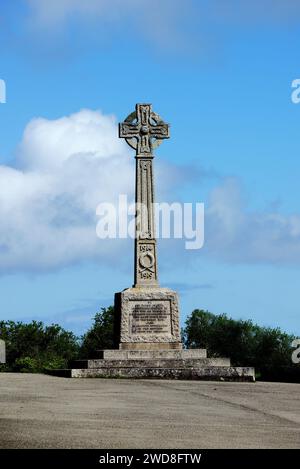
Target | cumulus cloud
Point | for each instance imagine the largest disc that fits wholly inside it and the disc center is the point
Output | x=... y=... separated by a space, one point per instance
x=64 y=168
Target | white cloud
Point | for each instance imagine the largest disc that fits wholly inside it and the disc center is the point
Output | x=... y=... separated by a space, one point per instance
x=50 y=144
x=236 y=234
x=64 y=168
x=48 y=200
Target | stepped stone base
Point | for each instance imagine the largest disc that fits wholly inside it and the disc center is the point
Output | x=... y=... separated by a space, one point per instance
x=150 y=354
x=151 y=346
x=163 y=364
x=151 y=363
x=211 y=373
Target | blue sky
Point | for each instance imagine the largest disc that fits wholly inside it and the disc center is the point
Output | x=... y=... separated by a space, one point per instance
x=221 y=75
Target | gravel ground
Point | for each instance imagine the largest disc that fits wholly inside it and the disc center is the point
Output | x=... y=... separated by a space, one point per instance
x=39 y=411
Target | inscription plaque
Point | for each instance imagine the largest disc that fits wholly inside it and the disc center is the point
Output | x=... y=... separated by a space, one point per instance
x=150 y=317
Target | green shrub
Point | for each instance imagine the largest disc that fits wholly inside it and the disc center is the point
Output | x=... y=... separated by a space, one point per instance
x=55 y=363
x=33 y=347
x=101 y=335
x=247 y=344
x=26 y=365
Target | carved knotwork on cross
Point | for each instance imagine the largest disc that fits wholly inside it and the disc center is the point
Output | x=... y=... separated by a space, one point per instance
x=144 y=130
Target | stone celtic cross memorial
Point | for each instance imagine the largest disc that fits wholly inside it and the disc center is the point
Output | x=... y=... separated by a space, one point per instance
x=144 y=131
x=149 y=317
x=147 y=331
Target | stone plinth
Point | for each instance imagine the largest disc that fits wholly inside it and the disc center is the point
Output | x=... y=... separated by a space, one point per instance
x=147 y=319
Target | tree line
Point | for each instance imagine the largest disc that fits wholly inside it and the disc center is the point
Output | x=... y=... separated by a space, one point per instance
x=34 y=347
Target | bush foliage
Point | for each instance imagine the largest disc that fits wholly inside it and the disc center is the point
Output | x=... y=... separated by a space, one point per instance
x=101 y=335
x=247 y=344
x=33 y=347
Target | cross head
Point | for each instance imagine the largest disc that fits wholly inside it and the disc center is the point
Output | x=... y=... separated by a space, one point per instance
x=144 y=130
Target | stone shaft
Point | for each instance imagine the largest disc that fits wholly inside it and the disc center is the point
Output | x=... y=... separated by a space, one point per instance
x=144 y=130
x=145 y=242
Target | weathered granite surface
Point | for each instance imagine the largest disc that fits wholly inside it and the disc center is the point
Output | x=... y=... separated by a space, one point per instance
x=210 y=373
x=152 y=363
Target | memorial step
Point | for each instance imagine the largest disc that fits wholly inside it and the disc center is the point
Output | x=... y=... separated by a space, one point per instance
x=117 y=354
x=209 y=373
x=151 y=363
